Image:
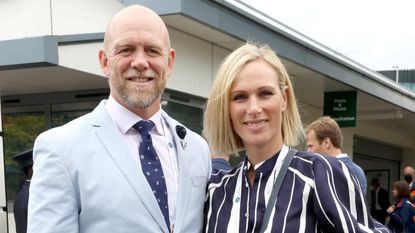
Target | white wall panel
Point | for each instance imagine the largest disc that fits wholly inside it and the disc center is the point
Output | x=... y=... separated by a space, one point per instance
x=192 y=72
x=219 y=53
x=82 y=16
x=22 y=18
x=371 y=129
x=82 y=57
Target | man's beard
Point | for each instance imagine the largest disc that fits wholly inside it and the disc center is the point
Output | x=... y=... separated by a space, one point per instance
x=139 y=97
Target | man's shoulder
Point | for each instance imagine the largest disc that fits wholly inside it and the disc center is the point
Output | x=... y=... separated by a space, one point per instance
x=74 y=127
x=315 y=157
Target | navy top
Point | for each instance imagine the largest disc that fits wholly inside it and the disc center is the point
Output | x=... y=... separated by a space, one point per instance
x=317 y=195
x=20 y=208
x=220 y=164
x=402 y=219
x=357 y=171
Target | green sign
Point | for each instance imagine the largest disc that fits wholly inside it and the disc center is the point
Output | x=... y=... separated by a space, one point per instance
x=341 y=106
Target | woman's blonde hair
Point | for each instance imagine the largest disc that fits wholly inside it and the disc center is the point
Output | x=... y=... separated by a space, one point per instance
x=217 y=126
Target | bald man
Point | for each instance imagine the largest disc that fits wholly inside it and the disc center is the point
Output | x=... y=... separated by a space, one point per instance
x=409 y=174
x=127 y=166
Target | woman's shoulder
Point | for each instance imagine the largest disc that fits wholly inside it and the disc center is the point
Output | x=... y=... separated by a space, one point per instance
x=222 y=175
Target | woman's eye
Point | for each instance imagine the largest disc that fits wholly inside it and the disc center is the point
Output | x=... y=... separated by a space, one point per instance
x=238 y=97
x=266 y=93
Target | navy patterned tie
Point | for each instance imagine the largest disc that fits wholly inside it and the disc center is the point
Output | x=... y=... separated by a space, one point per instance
x=151 y=166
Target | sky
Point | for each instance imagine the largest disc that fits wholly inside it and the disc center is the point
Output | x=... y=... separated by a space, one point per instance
x=378 y=34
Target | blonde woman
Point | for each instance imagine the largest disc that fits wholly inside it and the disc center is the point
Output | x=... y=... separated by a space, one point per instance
x=252 y=107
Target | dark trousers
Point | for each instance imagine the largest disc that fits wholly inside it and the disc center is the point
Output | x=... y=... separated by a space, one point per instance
x=379 y=215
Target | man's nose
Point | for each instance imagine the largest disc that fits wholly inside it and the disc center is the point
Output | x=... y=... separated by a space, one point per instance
x=140 y=60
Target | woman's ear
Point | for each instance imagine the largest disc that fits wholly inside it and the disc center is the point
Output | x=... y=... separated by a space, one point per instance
x=284 y=93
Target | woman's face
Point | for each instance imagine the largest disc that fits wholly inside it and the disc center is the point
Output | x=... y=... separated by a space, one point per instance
x=256 y=105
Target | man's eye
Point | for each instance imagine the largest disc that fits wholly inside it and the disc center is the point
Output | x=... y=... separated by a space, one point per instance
x=125 y=50
x=153 y=52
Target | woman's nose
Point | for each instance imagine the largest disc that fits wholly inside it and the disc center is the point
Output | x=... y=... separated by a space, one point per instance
x=254 y=107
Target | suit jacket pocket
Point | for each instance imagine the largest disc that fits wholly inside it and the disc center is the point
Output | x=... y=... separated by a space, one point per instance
x=199 y=181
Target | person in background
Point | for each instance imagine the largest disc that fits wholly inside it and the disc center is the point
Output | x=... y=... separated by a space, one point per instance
x=324 y=136
x=401 y=213
x=220 y=163
x=409 y=175
x=379 y=201
x=127 y=166
x=25 y=161
x=252 y=107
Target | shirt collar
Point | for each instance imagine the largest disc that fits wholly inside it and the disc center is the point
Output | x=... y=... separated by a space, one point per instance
x=125 y=119
x=265 y=166
x=342 y=155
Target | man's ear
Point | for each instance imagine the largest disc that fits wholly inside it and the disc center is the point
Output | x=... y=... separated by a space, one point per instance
x=326 y=142
x=170 y=61
x=103 y=61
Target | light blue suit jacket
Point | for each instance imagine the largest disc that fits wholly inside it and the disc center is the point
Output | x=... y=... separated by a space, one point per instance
x=86 y=181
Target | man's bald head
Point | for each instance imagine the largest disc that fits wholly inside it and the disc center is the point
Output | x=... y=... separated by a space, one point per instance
x=140 y=17
x=409 y=170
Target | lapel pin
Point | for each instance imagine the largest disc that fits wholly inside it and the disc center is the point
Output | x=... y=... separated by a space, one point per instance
x=181 y=132
x=183 y=144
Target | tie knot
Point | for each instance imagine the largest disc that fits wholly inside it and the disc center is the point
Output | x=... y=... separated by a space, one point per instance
x=144 y=127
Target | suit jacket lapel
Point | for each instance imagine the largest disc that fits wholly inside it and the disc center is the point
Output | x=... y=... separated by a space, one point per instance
x=111 y=138
x=184 y=179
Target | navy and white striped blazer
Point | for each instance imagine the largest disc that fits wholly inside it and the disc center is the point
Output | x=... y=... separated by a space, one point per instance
x=318 y=194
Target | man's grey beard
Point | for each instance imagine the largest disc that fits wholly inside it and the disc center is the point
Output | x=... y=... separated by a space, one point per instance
x=141 y=97
x=133 y=102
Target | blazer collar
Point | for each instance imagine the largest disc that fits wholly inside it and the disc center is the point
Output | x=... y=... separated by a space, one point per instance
x=183 y=147
x=111 y=138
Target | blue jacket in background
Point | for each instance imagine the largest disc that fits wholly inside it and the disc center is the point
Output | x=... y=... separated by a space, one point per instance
x=402 y=219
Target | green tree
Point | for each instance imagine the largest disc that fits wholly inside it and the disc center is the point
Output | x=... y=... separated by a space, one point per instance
x=20 y=132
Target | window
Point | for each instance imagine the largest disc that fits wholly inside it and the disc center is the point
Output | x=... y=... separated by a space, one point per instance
x=189 y=116
x=20 y=131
